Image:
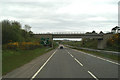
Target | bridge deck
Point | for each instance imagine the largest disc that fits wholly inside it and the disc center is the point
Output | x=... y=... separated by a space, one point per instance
x=73 y=35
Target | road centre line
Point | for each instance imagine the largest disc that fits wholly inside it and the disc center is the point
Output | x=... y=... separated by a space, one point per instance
x=92 y=75
x=78 y=62
x=42 y=66
x=98 y=57
x=82 y=65
x=70 y=54
x=75 y=59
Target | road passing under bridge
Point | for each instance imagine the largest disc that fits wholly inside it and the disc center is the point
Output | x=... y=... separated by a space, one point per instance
x=67 y=63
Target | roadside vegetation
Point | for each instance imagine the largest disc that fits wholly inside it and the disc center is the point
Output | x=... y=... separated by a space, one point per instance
x=109 y=56
x=113 y=44
x=12 y=31
x=13 y=59
x=19 y=46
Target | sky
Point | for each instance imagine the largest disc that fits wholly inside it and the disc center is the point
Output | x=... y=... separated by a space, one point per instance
x=62 y=15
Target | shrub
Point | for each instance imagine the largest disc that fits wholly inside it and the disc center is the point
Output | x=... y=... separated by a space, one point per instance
x=23 y=45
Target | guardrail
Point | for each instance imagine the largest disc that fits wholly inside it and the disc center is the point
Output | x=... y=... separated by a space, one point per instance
x=101 y=51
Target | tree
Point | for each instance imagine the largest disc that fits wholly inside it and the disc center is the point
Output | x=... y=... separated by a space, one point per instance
x=88 y=33
x=27 y=28
x=16 y=24
x=115 y=29
x=118 y=30
x=101 y=32
x=11 y=31
x=93 y=32
x=30 y=33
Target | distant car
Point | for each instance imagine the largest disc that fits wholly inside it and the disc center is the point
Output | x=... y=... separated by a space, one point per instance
x=61 y=47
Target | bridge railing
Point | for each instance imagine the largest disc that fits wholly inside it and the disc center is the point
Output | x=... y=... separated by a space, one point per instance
x=63 y=33
x=82 y=32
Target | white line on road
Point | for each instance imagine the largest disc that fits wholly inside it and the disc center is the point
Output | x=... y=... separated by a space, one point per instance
x=42 y=66
x=92 y=75
x=75 y=59
x=82 y=65
x=78 y=62
x=98 y=57
x=70 y=54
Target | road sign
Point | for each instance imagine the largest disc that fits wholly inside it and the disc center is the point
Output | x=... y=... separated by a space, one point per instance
x=45 y=41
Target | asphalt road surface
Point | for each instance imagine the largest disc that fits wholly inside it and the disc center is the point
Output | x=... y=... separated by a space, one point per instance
x=70 y=63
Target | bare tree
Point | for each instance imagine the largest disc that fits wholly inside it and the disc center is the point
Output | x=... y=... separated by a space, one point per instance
x=27 y=28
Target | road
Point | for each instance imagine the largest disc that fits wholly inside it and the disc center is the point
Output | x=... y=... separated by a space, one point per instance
x=70 y=63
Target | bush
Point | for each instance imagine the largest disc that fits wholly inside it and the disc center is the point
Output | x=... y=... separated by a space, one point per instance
x=114 y=42
x=23 y=45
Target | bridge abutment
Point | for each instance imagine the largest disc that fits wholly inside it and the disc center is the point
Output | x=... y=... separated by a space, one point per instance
x=102 y=42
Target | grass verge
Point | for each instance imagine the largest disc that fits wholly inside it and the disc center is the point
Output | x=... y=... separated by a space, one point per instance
x=110 y=56
x=12 y=59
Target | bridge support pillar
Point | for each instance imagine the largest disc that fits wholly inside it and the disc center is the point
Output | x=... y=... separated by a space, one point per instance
x=101 y=44
x=103 y=41
x=52 y=43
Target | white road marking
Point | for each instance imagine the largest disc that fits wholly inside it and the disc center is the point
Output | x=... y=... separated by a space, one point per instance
x=75 y=59
x=98 y=57
x=42 y=66
x=82 y=65
x=70 y=54
x=92 y=75
x=78 y=62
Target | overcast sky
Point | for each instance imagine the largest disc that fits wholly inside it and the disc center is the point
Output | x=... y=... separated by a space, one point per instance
x=62 y=15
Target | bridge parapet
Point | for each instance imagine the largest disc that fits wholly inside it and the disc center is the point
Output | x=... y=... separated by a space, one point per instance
x=68 y=33
x=82 y=32
x=63 y=33
x=72 y=35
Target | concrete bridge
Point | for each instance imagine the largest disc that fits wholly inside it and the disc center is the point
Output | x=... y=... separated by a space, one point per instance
x=102 y=38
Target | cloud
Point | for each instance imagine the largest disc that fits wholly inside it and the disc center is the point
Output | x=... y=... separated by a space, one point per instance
x=62 y=15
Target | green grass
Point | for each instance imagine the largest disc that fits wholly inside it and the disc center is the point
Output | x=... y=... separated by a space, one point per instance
x=112 y=48
x=12 y=59
x=87 y=44
x=92 y=44
x=110 y=56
